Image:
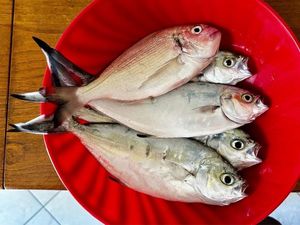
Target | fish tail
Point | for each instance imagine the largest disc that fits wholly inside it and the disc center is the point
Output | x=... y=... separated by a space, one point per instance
x=65 y=97
x=37 y=96
x=40 y=125
x=61 y=68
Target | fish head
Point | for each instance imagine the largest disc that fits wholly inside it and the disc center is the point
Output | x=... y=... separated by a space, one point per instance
x=227 y=68
x=198 y=41
x=241 y=106
x=237 y=147
x=218 y=181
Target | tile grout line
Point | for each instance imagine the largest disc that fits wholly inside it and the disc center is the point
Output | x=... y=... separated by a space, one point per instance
x=30 y=218
x=34 y=214
x=53 y=217
x=8 y=86
x=43 y=207
x=36 y=198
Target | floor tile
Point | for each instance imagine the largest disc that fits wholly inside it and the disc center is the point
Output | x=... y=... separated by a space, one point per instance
x=43 y=195
x=288 y=213
x=68 y=212
x=17 y=206
x=42 y=218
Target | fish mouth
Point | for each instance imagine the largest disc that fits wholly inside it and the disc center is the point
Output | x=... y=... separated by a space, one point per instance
x=244 y=187
x=214 y=33
x=240 y=190
x=244 y=67
x=252 y=158
x=262 y=108
x=256 y=150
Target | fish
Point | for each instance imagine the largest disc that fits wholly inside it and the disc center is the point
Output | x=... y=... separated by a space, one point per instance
x=194 y=109
x=175 y=169
x=235 y=146
x=227 y=68
x=157 y=64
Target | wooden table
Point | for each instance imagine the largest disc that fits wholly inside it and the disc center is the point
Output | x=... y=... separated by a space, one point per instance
x=25 y=162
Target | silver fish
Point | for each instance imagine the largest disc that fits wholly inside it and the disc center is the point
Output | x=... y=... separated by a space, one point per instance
x=227 y=68
x=235 y=146
x=195 y=109
x=174 y=169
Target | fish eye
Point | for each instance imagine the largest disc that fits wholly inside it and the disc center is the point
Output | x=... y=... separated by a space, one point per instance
x=229 y=62
x=237 y=144
x=247 y=98
x=197 y=30
x=227 y=179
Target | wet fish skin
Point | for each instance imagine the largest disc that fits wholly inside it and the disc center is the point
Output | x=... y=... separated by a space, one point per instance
x=195 y=109
x=173 y=169
x=234 y=145
x=155 y=65
x=160 y=62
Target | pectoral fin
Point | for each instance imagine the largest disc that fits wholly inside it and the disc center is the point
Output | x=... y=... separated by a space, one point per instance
x=162 y=74
x=207 y=108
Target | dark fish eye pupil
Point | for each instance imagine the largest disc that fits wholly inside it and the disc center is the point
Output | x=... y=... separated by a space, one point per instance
x=196 y=29
x=227 y=179
x=247 y=97
x=228 y=62
x=238 y=144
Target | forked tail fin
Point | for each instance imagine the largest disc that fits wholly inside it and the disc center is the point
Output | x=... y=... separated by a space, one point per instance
x=39 y=125
x=65 y=98
x=61 y=68
x=64 y=91
x=37 y=96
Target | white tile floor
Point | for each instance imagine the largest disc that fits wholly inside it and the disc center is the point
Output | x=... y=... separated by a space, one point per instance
x=33 y=207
